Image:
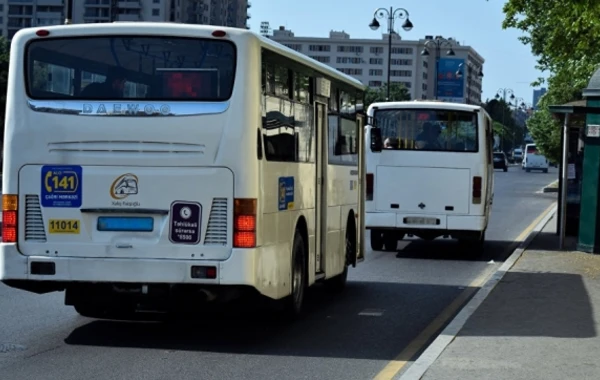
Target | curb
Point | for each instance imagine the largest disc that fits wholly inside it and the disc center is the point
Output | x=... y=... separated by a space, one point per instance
x=550 y=189
x=435 y=349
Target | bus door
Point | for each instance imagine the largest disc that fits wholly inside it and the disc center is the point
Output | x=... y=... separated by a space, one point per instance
x=321 y=185
x=360 y=222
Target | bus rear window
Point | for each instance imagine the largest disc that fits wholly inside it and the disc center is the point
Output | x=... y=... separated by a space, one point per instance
x=130 y=67
x=428 y=129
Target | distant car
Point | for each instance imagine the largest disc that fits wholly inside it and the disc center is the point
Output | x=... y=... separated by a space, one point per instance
x=500 y=161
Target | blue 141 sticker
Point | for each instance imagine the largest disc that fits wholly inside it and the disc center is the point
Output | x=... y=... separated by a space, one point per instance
x=61 y=186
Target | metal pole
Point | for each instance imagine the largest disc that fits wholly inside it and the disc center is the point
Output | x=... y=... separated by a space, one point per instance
x=389 y=68
x=437 y=68
x=564 y=175
x=69 y=18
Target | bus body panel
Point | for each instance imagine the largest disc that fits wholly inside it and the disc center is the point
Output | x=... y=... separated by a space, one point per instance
x=430 y=193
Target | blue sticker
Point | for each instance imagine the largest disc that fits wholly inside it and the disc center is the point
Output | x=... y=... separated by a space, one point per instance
x=286 y=193
x=61 y=186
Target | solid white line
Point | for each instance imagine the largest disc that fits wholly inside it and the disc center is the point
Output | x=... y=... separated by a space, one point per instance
x=430 y=355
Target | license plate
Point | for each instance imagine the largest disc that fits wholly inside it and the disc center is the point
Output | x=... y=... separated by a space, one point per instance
x=418 y=220
x=64 y=226
x=125 y=224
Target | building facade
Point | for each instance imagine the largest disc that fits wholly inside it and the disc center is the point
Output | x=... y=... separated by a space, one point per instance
x=537 y=94
x=367 y=60
x=17 y=14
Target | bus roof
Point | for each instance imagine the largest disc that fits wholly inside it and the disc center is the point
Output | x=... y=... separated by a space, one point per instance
x=181 y=29
x=428 y=104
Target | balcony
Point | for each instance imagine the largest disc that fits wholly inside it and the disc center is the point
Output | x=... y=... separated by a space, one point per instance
x=129 y=17
x=249 y=5
x=129 y=4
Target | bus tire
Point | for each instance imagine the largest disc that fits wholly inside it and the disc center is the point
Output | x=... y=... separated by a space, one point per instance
x=294 y=303
x=338 y=283
x=390 y=242
x=376 y=240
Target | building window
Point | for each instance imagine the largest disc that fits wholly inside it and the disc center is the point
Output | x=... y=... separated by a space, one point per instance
x=354 y=60
x=351 y=71
x=399 y=50
x=376 y=50
x=319 y=48
x=375 y=83
x=156 y=12
x=375 y=72
x=321 y=58
x=401 y=73
x=402 y=62
x=376 y=61
x=350 y=49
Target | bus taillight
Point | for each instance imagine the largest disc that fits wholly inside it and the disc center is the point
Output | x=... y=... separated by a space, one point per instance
x=244 y=223
x=10 y=204
x=370 y=184
x=477 y=190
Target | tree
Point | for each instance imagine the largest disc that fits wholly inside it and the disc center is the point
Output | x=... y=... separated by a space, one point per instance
x=562 y=35
x=398 y=92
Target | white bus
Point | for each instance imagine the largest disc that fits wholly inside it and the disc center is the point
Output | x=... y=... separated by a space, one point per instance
x=147 y=163
x=534 y=160
x=429 y=172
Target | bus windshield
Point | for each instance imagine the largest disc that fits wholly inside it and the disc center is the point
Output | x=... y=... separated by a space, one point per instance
x=130 y=67
x=428 y=129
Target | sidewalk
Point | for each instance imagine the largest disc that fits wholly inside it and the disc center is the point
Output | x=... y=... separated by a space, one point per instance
x=539 y=322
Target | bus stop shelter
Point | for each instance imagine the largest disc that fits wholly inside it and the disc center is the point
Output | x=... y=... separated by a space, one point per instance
x=579 y=169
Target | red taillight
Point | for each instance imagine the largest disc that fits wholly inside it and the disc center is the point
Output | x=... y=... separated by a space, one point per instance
x=244 y=223
x=370 y=184
x=42 y=33
x=10 y=204
x=477 y=189
x=219 y=33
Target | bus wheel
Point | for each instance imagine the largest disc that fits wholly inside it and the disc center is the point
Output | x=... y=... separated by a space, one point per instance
x=390 y=241
x=293 y=303
x=90 y=311
x=338 y=283
x=376 y=240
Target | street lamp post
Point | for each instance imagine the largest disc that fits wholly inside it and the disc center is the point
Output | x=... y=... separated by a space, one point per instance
x=504 y=92
x=470 y=68
x=437 y=43
x=392 y=15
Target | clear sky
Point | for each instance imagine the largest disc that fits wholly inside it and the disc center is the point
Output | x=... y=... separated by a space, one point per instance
x=478 y=23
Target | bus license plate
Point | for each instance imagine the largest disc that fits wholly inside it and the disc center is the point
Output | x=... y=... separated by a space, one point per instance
x=417 y=220
x=63 y=226
x=125 y=224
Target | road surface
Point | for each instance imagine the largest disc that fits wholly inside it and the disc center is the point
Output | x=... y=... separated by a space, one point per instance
x=391 y=299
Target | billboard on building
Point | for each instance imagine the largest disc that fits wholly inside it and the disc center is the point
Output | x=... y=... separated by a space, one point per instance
x=450 y=87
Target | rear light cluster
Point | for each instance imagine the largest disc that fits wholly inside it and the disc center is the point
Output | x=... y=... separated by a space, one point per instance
x=10 y=204
x=370 y=185
x=244 y=223
x=477 y=190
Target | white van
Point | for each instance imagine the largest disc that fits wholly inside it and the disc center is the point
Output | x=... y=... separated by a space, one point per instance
x=429 y=172
x=534 y=160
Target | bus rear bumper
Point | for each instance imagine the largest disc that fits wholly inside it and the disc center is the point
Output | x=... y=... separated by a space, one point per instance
x=397 y=221
x=239 y=269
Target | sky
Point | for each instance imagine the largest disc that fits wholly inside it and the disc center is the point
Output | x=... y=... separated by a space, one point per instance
x=478 y=23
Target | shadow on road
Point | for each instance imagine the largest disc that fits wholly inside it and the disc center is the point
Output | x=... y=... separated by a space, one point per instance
x=369 y=320
x=449 y=249
x=529 y=304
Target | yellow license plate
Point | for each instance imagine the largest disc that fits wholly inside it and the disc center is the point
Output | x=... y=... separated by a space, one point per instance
x=63 y=226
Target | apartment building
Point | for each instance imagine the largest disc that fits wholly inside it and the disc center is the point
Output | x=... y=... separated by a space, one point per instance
x=367 y=60
x=17 y=14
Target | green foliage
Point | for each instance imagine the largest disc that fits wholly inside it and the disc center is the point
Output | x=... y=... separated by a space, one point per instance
x=562 y=35
x=398 y=92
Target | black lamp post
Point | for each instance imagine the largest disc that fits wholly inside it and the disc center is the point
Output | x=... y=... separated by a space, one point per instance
x=470 y=68
x=437 y=43
x=504 y=92
x=392 y=15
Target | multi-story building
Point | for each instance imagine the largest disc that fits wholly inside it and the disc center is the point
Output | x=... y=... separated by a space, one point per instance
x=17 y=14
x=367 y=60
x=537 y=94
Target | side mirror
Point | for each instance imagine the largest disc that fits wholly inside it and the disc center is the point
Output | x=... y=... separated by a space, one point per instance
x=376 y=143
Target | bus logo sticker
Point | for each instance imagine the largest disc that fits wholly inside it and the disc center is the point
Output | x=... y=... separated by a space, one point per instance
x=286 y=193
x=61 y=186
x=124 y=186
x=185 y=222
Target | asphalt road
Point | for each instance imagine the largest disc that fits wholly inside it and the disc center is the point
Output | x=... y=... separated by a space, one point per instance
x=391 y=298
